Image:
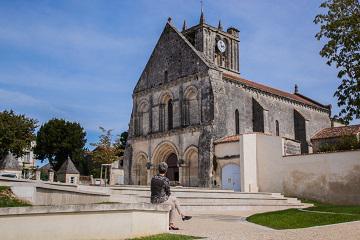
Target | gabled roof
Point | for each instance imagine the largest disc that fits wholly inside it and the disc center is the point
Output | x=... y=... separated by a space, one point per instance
x=9 y=162
x=334 y=132
x=199 y=54
x=227 y=139
x=68 y=167
x=169 y=35
x=292 y=96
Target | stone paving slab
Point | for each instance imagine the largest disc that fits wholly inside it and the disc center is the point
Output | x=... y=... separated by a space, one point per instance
x=225 y=225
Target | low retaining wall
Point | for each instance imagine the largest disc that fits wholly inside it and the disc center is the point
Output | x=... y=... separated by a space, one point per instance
x=56 y=195
x=327 y=177
x=90 y=222
x=42 y=193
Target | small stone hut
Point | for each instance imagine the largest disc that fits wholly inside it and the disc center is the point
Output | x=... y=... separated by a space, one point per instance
x=10 y=164
x=68 y=173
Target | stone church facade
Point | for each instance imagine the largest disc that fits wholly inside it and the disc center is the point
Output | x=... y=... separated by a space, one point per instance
x=191 y=94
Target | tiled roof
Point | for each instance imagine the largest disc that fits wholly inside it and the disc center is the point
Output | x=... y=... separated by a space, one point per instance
x=296 y=97
x=68 y=167
x=234 y=138
x=337 y=132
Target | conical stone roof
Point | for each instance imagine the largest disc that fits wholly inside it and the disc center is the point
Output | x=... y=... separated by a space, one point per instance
x=9 y=162
x=68 y=167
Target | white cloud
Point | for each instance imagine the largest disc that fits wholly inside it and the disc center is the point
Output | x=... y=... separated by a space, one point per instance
x=15 y=99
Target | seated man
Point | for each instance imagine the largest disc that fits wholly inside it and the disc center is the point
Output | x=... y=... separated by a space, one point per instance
x=160 y=193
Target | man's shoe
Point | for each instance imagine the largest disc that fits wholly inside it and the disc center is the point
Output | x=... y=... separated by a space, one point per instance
x=173 y=228
x=184 y=218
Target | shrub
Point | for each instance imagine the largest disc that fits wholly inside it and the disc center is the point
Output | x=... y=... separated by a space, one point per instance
x=342 y=144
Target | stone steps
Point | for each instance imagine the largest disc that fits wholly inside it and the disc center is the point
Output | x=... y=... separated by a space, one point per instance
x=193 y=199
x=224 y=201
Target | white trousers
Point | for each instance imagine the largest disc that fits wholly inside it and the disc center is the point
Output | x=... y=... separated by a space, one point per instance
x=175 y=205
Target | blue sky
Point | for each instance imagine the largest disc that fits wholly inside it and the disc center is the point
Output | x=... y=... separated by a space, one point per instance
x=80 y=60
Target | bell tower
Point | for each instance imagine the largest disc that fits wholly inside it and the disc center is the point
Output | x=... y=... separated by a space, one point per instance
x=218 y=46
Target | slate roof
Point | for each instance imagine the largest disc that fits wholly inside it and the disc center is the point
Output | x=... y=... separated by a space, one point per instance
x=334 y=132
x=227 y=139
x=9 y=162
x=68 y=167
x=292 y=96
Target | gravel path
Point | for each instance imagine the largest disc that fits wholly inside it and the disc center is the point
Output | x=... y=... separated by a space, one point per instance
x=224 y=225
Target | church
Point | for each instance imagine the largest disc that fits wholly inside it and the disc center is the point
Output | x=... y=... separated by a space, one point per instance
x=191 y=97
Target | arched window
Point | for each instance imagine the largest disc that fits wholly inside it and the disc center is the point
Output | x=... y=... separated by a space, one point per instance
x=237 y=123
x=170 y=114
x=166 y=76
x=161 y=117
x=277 y=128
x=136 y=125
x=142 y=119
x=190 y=107
x=258 y=116
x=300 y=131
x=140 y=123
x=186 y=112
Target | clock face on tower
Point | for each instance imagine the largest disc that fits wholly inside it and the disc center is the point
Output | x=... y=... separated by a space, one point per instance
x=221 y=46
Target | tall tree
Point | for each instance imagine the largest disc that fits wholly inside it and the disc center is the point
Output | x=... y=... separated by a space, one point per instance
x=57 y=139
x=340 y=28
x=120 y=143
x=16 y=133
x=104 y=152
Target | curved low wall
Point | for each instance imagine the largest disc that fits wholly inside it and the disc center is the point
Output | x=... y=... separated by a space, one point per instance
x=90 y=222
x=43 y=193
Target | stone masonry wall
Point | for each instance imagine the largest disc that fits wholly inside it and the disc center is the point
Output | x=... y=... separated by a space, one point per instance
x=230 y=96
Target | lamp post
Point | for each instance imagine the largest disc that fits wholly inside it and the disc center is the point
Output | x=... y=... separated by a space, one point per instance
x=148 y=168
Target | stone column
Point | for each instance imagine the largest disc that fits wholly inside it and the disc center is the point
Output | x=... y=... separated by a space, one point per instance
x=151 y=114
x=38 y=174
x=180 y=175
x=181 y=108
x=148 y=176
x=51 y=175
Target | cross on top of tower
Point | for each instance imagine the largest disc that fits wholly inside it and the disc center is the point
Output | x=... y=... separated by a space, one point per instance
x=202 y=18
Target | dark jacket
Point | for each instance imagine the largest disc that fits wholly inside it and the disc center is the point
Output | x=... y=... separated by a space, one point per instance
x=160 y=189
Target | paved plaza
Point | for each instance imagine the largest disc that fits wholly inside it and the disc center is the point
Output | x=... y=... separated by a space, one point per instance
x=233 y=226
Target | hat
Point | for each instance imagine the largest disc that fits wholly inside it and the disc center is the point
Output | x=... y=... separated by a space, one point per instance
x=163 y=167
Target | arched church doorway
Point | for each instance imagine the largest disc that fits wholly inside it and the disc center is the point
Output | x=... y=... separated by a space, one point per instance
x=173 y=170
x=140 y=171
x=190 y=171
x=230 y=177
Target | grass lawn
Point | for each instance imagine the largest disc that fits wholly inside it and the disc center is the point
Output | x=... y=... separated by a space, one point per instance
x=167 y=236
x=7 y=199
x=294 y=218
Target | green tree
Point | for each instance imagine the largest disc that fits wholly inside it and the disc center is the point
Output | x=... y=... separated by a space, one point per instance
x=104 y=152
x=16 y=133
x=120 y=143
x=57 y=139
x=340 y=28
